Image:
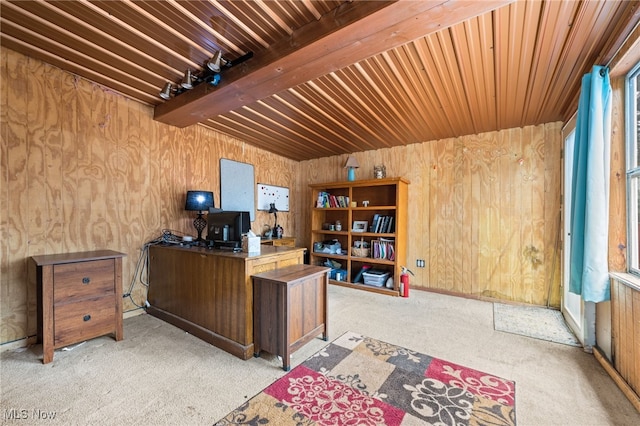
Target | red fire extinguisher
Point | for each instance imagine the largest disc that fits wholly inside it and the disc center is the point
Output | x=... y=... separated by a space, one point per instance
x=404 y=281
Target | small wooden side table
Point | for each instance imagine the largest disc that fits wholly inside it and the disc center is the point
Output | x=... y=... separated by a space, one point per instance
x=79 y=297
x=289 y=309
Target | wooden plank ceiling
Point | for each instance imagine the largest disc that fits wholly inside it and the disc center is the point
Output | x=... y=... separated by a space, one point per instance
x=332 y=77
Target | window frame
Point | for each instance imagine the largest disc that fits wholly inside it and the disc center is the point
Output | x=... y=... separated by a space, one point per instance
x=632 y=168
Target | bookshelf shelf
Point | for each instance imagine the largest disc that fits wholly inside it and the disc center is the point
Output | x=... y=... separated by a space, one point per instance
x=333 y=202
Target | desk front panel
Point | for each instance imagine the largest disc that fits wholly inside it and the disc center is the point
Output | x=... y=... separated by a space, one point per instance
x=212 y=288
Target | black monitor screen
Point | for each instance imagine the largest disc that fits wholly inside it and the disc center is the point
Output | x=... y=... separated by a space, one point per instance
x=227 y=225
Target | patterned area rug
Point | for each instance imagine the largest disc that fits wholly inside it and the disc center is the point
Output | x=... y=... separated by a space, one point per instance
x=357 y=380
x=533 y=321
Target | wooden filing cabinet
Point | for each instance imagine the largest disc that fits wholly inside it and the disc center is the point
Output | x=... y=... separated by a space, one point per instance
x=289 y=308
x=79 y=297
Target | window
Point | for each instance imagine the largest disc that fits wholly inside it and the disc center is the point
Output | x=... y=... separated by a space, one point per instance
x=632 y=120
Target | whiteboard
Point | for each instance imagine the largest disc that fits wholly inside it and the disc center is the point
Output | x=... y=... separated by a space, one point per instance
x=236 y=187
x=268 y=194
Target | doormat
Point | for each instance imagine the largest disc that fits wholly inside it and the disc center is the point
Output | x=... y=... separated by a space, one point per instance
x=357 y=380
x=533 y=321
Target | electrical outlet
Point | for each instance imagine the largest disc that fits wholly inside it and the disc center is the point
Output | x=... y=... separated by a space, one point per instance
x=420 y=263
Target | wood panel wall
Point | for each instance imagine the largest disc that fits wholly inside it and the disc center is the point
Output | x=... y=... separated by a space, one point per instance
x=625 y=332
x=84 y=168
x=484 y=210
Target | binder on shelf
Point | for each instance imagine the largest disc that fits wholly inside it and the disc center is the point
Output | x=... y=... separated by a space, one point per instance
x=382 y=224
x=374 y=222
x=390 y=225
x=385 y=223
x=379 y=224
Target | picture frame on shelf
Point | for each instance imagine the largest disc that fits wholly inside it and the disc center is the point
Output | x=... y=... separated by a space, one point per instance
x=359 y=226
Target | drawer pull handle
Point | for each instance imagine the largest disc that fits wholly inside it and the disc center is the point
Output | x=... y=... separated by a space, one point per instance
x=86 y=280
x=86 y=317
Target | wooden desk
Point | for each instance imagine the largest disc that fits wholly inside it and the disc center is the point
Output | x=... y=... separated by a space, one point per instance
x=290 y=309
x=209 y=293
x=79 y=297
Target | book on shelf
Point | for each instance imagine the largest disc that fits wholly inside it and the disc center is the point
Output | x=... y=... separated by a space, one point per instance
x=379 y=224
x=382 y=224
x=326 y=200
x=374 y=222
x=386 y=225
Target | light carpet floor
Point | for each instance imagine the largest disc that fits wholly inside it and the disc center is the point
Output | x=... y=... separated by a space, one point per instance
x=160 y=375
x=533 y=321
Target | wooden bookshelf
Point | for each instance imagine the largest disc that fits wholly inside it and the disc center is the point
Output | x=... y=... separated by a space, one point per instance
x=333 y=202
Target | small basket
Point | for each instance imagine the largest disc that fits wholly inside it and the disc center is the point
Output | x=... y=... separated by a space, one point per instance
x=360 y=251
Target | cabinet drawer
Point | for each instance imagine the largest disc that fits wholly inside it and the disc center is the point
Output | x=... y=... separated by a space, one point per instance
x=83 y=279
x=75 y=322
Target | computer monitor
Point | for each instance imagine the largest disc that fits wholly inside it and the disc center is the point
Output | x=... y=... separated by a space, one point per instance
x=225 y=228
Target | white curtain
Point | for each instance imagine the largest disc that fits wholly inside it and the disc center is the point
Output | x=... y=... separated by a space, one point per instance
x=590 y=198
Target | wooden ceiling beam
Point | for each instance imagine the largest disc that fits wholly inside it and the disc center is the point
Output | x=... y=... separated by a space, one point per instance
x=351 y=33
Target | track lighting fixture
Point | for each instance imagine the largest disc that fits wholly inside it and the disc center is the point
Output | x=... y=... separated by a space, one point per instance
x=188 y=79
x=209 y=74
x=216 y=60
x=165 y=93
